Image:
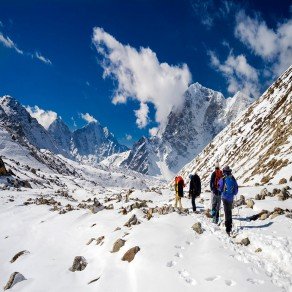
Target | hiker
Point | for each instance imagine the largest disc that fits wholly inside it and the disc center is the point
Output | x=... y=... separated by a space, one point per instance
x=216 y=196
x=179 y=191
x=195 y=189
x=228 y=188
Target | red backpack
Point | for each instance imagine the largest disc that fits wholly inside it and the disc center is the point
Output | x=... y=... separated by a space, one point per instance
x=218 y=176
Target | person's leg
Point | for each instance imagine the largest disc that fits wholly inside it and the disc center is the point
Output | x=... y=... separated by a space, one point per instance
x=228 y=215
x=213 y=211
x=218 y=207
x=179 y=203
x=176 y=200
x=194 y=203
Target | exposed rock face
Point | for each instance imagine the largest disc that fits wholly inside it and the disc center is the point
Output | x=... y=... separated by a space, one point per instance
x=130 y=254
x=18 y=255
x=188 y=130
x=3 y=170
x=118 y=244
x=79 y=264
x=268 y=119
x=13 y=280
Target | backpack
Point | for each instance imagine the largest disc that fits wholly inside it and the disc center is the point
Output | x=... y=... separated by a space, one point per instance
x=218 y=176
x=229 y=188
x=179 y=185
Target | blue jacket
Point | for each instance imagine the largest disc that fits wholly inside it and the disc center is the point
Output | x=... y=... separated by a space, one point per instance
x=228 y=187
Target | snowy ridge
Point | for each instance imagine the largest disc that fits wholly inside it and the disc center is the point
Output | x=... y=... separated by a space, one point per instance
x=257 y=145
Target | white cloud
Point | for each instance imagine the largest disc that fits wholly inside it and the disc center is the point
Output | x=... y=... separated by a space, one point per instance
x=239 y=74
x=142 y=77
x=7 y=42
x=45 y=118
x=43 y=59
x=153 y=131
x=273 y=46
x=129 y=137
x=142 y=115
x=88 y=118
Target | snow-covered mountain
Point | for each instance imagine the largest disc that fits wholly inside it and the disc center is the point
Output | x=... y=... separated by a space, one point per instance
x=92 y=143
x=257 y=145
x=15 y=119
x=61 y=135
x=204 y=114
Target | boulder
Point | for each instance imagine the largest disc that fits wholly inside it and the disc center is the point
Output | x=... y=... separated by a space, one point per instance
x=18 y=255
x=250 y=203
x=258 y=250
x=118 y=244
x=264 y=216
x=198 y=227
x=283 y=195
x=130 y=254
x=99 y=240
x=132 y=221
x=13 y=280
x=79 y=264
x=245 y=241
x=282 y=181
x=274 y=215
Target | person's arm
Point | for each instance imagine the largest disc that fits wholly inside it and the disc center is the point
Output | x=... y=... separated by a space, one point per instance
x=200 y=185
x=220 y=185
x=212 y=182
x=236 y=187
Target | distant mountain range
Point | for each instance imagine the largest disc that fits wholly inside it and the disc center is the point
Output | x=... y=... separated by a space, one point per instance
x=92 y=143
x=203 y=115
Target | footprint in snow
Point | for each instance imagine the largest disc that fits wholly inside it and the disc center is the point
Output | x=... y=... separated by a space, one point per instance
x=230 y=282
x=178 y=255
x=214 y=278
x=189 y=242
x=179 y=247
x=255 y=281
x=171 y=264
x=185 y=275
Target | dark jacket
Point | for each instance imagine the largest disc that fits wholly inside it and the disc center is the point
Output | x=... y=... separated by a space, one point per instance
x=195 y=186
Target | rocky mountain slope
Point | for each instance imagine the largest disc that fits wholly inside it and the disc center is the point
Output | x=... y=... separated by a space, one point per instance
x=257 y=145
x=203 y=115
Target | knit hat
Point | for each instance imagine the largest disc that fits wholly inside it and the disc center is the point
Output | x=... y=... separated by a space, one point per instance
x=227 y=169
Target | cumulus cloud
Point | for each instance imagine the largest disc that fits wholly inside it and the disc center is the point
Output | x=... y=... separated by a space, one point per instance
x=45 y=118
x=43 y=59
x=239 y=74
x=8 y=43
x=142 y=115
x=88 y=118
x=273 y=46
x=129 y=137
x=141 y=77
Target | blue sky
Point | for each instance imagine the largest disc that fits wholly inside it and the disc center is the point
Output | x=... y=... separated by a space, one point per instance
x=141 y=56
